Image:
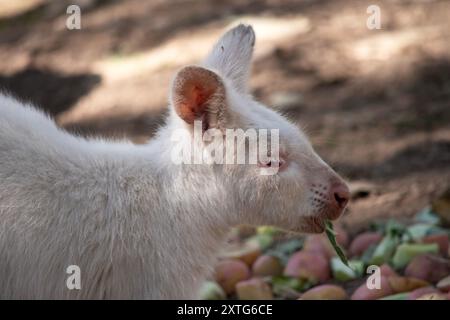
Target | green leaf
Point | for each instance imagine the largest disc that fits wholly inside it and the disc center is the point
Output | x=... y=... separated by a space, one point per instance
x=427 y=216
x=385 y=250
x=290 y=246
x=269 y=230
x=210 y=290
x=368 y=254
x=331 y=234
x=406 y=252
x=264 y=240
x=395 y=228
x=397 y=296
x=283 y=284
x=285 y=249
x=419 y=231
x=342 y=273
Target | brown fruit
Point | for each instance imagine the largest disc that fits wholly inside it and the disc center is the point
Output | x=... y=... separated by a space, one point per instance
x=387 y=271
x=441 y=240
x=319 y=244
x=444 y=284
x=404 y=284
x=364 y=293
x=267 y=266
x=307 y=265
x=229 y=273
x=325 y=292
x=428 y=267
x=432 y=296
x=363 y=241
x=248 y=253
x=254 y=289
x=413 y=295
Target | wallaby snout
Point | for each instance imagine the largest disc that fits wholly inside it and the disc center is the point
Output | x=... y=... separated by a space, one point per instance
x=338 y=196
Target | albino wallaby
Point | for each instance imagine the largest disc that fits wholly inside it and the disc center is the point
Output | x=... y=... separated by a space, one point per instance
x=137 y=224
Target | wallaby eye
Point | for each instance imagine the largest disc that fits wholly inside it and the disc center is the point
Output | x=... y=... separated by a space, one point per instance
x=271 y=164
x=267 y=164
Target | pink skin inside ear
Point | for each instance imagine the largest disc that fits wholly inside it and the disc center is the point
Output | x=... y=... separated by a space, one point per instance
x=193 y=88
x=194 y=103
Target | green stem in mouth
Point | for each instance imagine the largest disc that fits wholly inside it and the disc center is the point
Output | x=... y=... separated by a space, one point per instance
x=331 y=234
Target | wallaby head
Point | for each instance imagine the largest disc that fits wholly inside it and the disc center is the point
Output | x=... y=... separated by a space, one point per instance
x=291 y=186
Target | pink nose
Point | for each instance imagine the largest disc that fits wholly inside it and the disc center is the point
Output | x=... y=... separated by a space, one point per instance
x=340 y=195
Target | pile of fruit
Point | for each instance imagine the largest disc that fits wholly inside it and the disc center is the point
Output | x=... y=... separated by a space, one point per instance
x=411 y=262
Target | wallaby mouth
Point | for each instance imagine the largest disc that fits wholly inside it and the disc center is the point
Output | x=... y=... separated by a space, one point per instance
x=329 y=200
x=316 y=224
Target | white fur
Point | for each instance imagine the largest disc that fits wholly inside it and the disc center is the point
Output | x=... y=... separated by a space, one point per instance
x=137 y=225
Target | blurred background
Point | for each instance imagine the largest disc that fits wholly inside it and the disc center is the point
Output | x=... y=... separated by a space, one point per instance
x=376 y=103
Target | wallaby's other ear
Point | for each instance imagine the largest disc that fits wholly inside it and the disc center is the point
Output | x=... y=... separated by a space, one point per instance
x=232 y=55
x=199 y=94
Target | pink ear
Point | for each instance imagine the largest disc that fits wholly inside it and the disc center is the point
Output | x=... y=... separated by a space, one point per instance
x=197 y=91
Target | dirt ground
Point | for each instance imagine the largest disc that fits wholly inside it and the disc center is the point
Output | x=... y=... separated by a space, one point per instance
x=376 y=103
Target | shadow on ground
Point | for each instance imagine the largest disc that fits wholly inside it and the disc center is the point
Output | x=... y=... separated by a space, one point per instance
x=49 y=90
